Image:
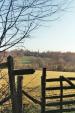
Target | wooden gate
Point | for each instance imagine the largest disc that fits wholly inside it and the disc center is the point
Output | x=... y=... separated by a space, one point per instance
x=49 y=103
x=57 y=103
x=15 y=92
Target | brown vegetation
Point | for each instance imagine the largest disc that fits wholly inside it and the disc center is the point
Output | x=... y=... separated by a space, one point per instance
x=56 y=61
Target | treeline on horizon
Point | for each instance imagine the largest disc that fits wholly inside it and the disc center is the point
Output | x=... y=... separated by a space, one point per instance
x=53 y=61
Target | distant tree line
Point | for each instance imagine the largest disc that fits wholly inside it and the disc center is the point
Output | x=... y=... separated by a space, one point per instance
x=56 y=61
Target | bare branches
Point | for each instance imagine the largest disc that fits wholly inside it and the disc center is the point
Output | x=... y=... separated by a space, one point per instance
x=19 y=17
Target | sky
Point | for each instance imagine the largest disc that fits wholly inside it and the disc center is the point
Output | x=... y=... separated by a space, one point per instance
x=58 y=35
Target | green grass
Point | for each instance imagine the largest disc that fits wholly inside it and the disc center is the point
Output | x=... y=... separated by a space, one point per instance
x=26 y=60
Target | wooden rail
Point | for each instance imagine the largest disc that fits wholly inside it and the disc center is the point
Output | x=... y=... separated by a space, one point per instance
x=59 y=111
x=58 y=79
x=58 y=88
x=59 y=103
x=23 y=71
x=31 y=98
x=5 y=100
x=15 y=92
x=68 y=81
x=58 y=100
x=56 y=97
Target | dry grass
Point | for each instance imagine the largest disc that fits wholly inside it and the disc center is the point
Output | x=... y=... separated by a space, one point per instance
x=32 y=81
x=35 y=79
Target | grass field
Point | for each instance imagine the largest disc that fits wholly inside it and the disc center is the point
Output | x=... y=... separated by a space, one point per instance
x=33 y=81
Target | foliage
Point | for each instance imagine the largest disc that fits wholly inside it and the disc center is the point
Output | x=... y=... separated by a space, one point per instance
x=56 y=61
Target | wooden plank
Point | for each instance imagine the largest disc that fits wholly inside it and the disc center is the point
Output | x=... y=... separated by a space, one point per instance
x=61 y=93
x=58 y=79
x=13 y=92
x=3 y=65
x=53 y=80
x=43 y=86
x=58 y=88
x=23 y=71
x=19 y=93
x=59 y=103
x=31 y=98
x=58 y=110
x=5 y=100
x=68 y=81
x=64 y=96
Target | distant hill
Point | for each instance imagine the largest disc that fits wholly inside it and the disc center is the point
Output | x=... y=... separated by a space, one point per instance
x=57 y=61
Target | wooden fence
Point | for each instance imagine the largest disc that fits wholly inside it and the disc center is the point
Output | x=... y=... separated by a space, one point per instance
x=15 y=93
x=50 y=103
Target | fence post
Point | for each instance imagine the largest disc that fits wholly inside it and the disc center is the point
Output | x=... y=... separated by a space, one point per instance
x=43 y=85
x=12 y=85
x=19 y=93
x=61 y=93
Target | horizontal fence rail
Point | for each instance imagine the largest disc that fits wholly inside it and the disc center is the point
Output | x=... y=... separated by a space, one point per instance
x=58 y=79
x=56 y=97
x=59 y=103
x=23 y=71
x=58 y=88
x=59 y=111
x=16 y=91
x=61 y=100
x=46 y=100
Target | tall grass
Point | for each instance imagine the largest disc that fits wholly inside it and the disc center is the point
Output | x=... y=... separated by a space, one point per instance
x=32 y=84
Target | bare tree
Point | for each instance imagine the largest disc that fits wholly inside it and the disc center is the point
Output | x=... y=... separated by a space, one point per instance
x=19 y=17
